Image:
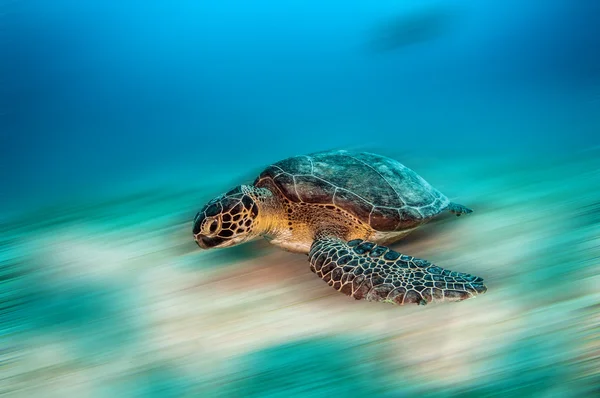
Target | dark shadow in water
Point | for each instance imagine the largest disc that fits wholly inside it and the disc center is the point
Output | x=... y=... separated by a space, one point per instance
x=408 y=29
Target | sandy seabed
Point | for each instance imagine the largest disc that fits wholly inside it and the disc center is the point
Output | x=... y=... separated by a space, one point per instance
x=113 y=298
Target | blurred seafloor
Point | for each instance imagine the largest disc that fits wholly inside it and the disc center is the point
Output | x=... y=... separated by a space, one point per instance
x=113 y=298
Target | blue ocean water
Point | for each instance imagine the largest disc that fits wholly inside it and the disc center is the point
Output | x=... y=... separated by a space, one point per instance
x=119 y=119
x=98 y=91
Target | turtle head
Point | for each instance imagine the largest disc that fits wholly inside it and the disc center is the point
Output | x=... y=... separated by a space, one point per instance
x=227 y=220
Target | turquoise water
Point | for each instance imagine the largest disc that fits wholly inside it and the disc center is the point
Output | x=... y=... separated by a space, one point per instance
x=119 y=120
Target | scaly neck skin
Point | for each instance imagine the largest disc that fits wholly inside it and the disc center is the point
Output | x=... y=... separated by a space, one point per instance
x=270 y=211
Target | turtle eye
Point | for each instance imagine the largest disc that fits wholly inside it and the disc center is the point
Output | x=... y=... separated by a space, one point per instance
x=211 y=226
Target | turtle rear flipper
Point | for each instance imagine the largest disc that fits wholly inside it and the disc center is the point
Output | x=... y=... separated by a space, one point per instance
x=365 y=270
x=458 y=209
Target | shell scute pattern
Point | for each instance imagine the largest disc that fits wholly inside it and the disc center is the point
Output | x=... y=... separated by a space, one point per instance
x=288 y=186
x=312 y=190
x=378 y=191
x=411 y=188
x=344 y=171
x=385 y=219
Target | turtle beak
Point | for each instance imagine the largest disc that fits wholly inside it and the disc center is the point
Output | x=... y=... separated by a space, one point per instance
x=206 y=242
x=200 y=242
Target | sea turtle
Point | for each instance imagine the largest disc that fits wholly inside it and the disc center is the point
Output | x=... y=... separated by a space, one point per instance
x=341 y=208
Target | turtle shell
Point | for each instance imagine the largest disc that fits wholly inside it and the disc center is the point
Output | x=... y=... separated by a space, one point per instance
x=378 y=190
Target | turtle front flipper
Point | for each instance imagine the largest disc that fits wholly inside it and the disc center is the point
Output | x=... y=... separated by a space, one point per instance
x=365 y=270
